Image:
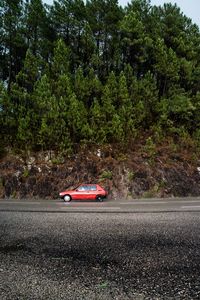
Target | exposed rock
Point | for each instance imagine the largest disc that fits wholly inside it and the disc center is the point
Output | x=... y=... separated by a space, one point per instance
x=129 y=175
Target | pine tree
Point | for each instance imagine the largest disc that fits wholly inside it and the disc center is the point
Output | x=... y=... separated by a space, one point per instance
x=81 y=86
x=12 y=46
x=53 y=109
x=37 y=28
x=147 y=94
x=104 y=17
x=7 y=123
x=97 y=123
x=77 y=120
x=94 y=87
x=166 y=67
x=134 y=42
x=22 y=101
x=125 y=110
x=61 y=59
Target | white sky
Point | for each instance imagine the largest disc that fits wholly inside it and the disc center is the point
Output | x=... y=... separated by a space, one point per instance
x=191 y=8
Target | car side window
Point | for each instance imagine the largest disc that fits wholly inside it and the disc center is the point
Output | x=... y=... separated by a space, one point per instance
x=93 y=188
x=82 y=188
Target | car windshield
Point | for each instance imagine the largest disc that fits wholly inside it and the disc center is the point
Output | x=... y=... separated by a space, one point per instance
x=81 y=188
x=76 y=188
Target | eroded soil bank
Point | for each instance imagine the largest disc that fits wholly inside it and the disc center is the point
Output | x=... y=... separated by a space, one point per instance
x=125 y=173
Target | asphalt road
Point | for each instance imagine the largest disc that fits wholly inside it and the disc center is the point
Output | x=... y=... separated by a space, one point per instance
x=123 y=206
x=53 y=250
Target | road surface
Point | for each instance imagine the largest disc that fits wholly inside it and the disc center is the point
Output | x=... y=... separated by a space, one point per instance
x=145 y=249
x=141 y=205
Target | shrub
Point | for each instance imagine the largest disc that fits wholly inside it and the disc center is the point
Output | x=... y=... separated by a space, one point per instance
x=150 y=148
x=106 y=175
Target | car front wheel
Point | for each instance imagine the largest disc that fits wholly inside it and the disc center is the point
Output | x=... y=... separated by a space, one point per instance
x=67 y=198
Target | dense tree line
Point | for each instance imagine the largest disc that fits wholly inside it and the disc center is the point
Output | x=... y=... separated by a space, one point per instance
x=96 y=72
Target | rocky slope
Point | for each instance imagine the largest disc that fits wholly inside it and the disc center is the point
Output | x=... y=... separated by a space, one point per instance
x=125 y=173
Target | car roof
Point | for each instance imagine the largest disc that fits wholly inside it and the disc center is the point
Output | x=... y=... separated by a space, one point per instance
x=88 y=184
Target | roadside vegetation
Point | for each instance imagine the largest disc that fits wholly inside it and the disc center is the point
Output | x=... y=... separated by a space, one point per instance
x=75 y=74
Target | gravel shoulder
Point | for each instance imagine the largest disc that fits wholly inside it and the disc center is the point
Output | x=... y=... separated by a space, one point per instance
x=94 y=256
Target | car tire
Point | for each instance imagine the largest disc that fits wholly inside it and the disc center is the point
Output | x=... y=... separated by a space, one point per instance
x=99 y=198
x=67 y=198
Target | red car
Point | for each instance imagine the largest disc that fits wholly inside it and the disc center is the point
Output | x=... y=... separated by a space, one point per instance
x=84 y=192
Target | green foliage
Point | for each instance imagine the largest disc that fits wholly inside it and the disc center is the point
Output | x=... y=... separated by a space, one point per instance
x=104 y=285
x=78 y=72
x=153 y=191
x=121 y=157
x=25 y=173
x=60 y=64
x=106 y=175
x=131 y=175
x=158 y=133
x=134 y=40
x=197 y=137
x=126 y=111
x=97 y=123
x=150 y=148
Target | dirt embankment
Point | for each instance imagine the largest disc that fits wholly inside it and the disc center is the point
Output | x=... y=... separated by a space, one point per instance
x=134 y=173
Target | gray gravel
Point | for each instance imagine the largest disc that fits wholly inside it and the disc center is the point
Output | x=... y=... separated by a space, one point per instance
x=99 y=256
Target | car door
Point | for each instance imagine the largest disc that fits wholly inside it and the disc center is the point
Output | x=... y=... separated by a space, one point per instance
x=92 y=190
x=81 y=193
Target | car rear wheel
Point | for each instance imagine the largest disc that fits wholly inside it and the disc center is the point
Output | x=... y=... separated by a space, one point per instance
x=99 y=198
x=67 y=198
